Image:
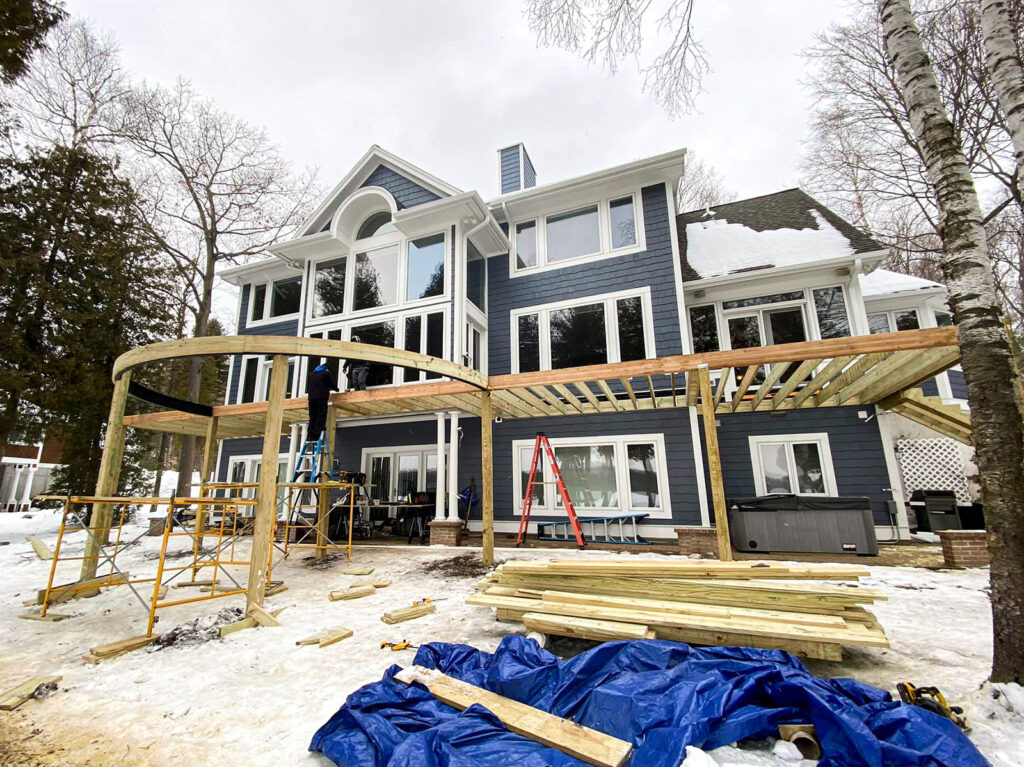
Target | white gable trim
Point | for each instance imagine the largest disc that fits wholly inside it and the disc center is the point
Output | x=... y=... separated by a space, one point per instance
x=366 y=165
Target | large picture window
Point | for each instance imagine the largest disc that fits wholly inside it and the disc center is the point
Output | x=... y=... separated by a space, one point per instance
x=890 y=322
x=376 y=278
x=596 y=230
x=609 y=328
x=606 y=475
x=793 y=463
x=329 y=287
x=426 y=268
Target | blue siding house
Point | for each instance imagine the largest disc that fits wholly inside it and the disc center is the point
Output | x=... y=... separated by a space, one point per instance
x=597 y=269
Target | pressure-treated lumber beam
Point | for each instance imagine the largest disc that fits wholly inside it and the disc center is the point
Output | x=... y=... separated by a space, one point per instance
x=741 y=390
x=770 y=380
x=487 y=477
x=549 y=399
x=629 y=391
x=723 y=380
x=848 y=376
x=798 y=377
x=821 y=378
x=584 y=388
x=266 y=493
x=714 y=465
x=581 y=742
x=106 y=483
x=609 y=394
x=923 y=366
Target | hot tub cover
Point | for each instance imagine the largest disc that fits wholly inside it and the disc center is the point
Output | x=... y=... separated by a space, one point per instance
x=661 y=696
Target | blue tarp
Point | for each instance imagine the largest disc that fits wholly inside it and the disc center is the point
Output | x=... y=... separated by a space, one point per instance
x=661 y=696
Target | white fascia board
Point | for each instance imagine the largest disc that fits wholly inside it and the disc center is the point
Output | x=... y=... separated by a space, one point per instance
x=778 y=271
x=541 y=199
x=913 y=293
x=373 y=157
x=237 y=275
x=304 y=248
x=467 y=208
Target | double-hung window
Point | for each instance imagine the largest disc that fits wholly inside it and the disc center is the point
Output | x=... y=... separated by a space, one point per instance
x=793 y=463
x=274 y=300
x=618 y=474
x=254 y=378
x=614 y=327
x=580 y=234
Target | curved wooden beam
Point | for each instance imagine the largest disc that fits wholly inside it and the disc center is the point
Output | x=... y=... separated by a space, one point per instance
x=293 y=346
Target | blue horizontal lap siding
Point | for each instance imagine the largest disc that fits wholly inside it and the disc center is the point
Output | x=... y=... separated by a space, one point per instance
x=529 y=174
x=957 y=383
x=858 y=459
x=245 y=446
x=407 y=193
x=510 y=169
x=653 y=267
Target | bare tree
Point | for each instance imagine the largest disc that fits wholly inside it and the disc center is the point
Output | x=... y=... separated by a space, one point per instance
x=996 y=423
x=607 y=31
x=865 y=159
x=701 y=186
x=72 y=90
x=216 y=190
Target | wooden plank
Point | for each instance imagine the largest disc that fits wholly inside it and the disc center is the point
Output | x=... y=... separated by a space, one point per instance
x=231 y=628
x=832 y=651
x=106 y=482
x=334 y=636
x=352 y=593
x=262 y=617
x=377 y=584
x=550 y=399
x=821 y=378
x=41 y=549
x=848 y=376
x=15 y=696
x=123 y=646
x=48 y=618
x=487 y=478
x=772 y=378
x=629 y=391
x=569 y=397
x=535 y=402
x=585 y=628
x=723 y=379
x=697 y=568
x=609 y=394
x=741 y=390
x=408 y=613
x=584 y=389
x=581 y=742
x=798 y=377
x=512 y=405
x=714 y=460
x=650 y=388
x=266 y=494
x=692 y=388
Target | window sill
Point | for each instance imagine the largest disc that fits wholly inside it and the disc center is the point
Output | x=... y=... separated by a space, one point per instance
x=553 y=266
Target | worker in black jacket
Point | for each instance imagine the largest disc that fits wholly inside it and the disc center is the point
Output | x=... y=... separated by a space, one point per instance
x=319 y=387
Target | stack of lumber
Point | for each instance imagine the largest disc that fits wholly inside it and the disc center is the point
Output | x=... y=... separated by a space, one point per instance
x=753 y=604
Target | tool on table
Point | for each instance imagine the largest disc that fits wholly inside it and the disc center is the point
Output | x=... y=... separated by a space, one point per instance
x=405 y=644
x=930 y=699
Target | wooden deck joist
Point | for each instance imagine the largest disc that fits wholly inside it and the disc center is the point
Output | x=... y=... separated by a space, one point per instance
x=861 y=370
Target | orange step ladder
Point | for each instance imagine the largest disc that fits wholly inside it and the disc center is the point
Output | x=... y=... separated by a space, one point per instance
x=524 y=521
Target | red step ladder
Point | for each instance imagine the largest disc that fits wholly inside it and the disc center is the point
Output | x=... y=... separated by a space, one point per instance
x=524 y=521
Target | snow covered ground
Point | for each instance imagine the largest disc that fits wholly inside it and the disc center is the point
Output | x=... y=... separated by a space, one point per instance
x=256 y=698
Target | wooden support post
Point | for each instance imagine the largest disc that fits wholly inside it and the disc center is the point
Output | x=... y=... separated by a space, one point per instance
x=707 y=407
x=110 y=472
x=487 y=477
x=266 y=493
x=209 y=457
x=323 y=494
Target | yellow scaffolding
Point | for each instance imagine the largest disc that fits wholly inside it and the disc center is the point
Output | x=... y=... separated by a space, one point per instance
x=319 y=527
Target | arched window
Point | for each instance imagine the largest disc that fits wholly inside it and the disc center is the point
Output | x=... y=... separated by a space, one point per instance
x=376 y=223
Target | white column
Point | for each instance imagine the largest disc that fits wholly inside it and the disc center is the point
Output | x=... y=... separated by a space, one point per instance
x=453 y=466
x=858 y=313
x=438 y=482
x=892 y=465
x=13 y=498
x=30 y=474
x=293 y=450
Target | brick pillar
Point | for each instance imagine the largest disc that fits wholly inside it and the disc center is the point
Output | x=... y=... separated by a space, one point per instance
x=964 y=548
x=698 y=540
x=444 y=532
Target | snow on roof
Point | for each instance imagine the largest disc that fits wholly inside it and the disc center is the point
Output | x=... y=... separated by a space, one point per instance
x=716 y=247
x=882 y=282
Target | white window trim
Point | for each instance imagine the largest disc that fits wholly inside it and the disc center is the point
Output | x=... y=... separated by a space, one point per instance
x=398 y=317
x=423 y=451
x=550 y=509
x=267 y=298
x=604 y=230
x=891 y=316
x=611 y=325
x=824 y=452
x=368 y=246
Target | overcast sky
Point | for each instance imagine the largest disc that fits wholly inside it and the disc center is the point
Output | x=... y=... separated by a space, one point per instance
x=445 y=84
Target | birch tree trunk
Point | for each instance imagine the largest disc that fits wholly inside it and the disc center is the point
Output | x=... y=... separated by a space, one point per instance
x=1004 y=66
x=997 y=428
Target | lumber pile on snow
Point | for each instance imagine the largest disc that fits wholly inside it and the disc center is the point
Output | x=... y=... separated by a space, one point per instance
x=753 y=604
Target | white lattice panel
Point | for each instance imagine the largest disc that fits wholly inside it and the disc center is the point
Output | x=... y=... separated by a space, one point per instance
x=933 y=464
